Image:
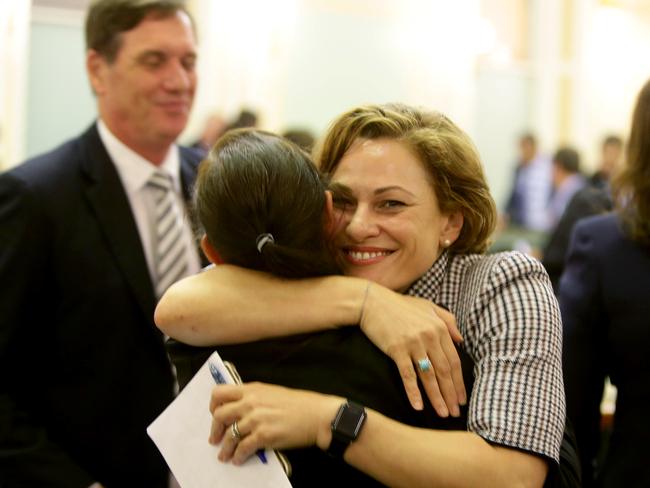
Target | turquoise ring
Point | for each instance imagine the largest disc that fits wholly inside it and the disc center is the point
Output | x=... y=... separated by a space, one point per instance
x=424 y=365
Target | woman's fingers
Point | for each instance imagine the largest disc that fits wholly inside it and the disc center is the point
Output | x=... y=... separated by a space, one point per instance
x=450 y=352
x=248 y=446
x=427 y=372
x=409 y=377
x=224 y=410
x=451 y=358
x=248 y=417
x=450 y=321
x=442 y=371
x=435 y=373
x=456 y=369
x=409 y=329
x=223 y=394
x=230 y=442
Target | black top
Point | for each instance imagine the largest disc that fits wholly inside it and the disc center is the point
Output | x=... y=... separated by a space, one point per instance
x=586 y=202
x=340 y=362
x=604 y=299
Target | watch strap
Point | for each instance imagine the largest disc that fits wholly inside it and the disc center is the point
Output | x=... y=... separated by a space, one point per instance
x=346 y=426
x=337 y=447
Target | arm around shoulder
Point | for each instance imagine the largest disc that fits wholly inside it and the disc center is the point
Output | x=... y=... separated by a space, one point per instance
x=228 y=304
x=396 y=454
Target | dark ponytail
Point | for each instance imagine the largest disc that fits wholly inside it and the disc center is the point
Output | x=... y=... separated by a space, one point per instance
x=254 y=184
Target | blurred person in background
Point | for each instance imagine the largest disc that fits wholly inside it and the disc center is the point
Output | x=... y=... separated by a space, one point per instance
x=593 y=198
x=584 y=199
x=567 y=181
x=531 y=189
x=92 y=232
x=611 y=155
x=215 y=126
x=304 y=138
x=523 y=225
x=245 y=118
x=606 y=313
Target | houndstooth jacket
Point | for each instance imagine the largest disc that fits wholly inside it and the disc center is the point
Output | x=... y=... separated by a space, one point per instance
x=510 y=321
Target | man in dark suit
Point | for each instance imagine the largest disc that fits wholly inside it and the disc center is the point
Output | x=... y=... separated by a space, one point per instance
x=586 y=202
x=83 y=369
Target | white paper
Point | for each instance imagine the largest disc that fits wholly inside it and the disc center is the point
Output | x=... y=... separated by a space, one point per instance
x=181 y=434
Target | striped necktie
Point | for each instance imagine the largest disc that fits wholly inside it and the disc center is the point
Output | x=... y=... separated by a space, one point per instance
x=170 y=251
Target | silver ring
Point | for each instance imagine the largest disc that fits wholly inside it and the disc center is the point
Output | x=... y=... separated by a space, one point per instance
x=424 y=365
x=234 y=432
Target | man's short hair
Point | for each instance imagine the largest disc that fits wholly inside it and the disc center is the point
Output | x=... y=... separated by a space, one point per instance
x=528 y=137
x=108 y=19
x=568 y=159
x=612 y=140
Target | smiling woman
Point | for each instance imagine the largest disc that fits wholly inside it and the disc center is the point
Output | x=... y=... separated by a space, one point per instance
x=412 y=214
x=389 y=225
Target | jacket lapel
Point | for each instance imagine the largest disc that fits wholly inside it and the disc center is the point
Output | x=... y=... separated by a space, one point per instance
x=188 y=172
x=190 y=161
x=109 y=202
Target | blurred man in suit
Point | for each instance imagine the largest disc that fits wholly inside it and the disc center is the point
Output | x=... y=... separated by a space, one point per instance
x=92 y=232
x=611 y=156
x=531 y=188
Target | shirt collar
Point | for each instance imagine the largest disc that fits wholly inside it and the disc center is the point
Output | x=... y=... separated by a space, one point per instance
x=134 y=170
x=428 y=285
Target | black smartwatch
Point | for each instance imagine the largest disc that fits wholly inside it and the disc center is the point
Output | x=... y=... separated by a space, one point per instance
x=346 y=427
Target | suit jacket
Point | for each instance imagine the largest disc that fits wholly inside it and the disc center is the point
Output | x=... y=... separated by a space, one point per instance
x=605 y=307
x=83 y=369
x=586 y=202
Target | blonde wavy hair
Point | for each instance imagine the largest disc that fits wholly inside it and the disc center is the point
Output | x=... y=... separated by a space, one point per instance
x=446 y=152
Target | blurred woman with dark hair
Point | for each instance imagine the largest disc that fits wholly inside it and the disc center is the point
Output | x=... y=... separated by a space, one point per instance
x=606 y=314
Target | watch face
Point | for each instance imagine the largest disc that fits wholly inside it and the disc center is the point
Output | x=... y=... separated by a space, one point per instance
x=350 y=420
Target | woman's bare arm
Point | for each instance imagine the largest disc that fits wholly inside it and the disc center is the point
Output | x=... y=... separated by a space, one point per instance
x=398 y=455
x=228 y=304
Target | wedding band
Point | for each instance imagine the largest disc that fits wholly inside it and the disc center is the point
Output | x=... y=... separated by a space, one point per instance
x=424 y=365
x=234 y=432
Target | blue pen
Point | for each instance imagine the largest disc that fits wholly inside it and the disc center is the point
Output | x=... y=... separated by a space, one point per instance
x=216 y=375
x=220 y=380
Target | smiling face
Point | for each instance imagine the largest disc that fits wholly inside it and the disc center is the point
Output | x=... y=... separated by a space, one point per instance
x=389 y=228
x=146 y=92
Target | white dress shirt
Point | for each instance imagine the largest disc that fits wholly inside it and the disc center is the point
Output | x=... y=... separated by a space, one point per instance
x=134 y=172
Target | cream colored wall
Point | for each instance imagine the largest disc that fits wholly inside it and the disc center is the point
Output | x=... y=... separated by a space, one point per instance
x=59 y=100
x=566 y=69
x=14 y=36
x=612 y=68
